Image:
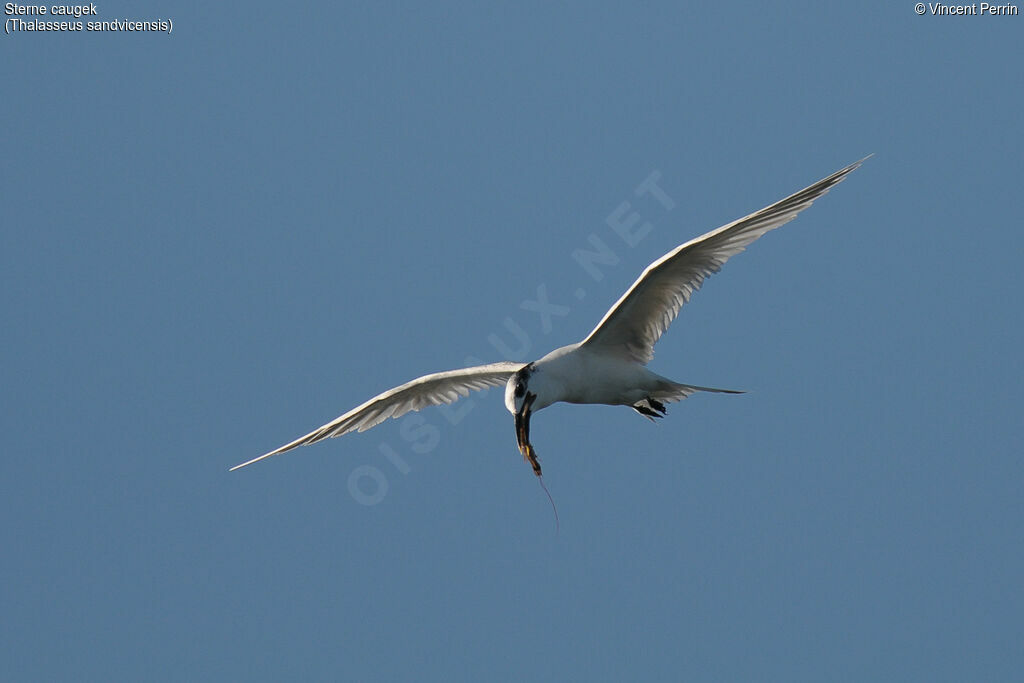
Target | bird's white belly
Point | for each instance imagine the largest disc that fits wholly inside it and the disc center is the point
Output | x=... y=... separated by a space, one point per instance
x=590 y=378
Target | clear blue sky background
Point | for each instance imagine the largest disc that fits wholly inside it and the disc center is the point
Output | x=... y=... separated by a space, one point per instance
x=217 y=240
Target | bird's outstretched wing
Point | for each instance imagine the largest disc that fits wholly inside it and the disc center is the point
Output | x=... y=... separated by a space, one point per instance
x=637 y=320
x=429 y=390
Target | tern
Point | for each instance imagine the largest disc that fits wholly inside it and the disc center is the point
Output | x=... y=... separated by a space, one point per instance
x=609 y=366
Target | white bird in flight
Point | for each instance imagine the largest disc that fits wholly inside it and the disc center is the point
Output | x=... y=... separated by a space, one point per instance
x=608 y=367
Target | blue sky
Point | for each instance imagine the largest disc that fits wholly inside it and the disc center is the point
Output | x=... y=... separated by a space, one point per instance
x=216 y=240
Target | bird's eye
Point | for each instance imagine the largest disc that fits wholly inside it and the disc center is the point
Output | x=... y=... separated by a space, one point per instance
x=520 y=388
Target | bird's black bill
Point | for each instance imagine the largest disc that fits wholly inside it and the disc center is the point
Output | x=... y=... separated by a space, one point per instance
x=523 y=434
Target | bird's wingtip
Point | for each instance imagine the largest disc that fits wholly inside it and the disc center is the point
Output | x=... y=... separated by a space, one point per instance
x=856 y=164
x=249 y=462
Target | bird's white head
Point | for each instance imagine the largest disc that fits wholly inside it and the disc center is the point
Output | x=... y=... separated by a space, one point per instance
x=516 y=391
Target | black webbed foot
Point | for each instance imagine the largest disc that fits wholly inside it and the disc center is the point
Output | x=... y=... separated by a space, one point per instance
x=650 y=408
